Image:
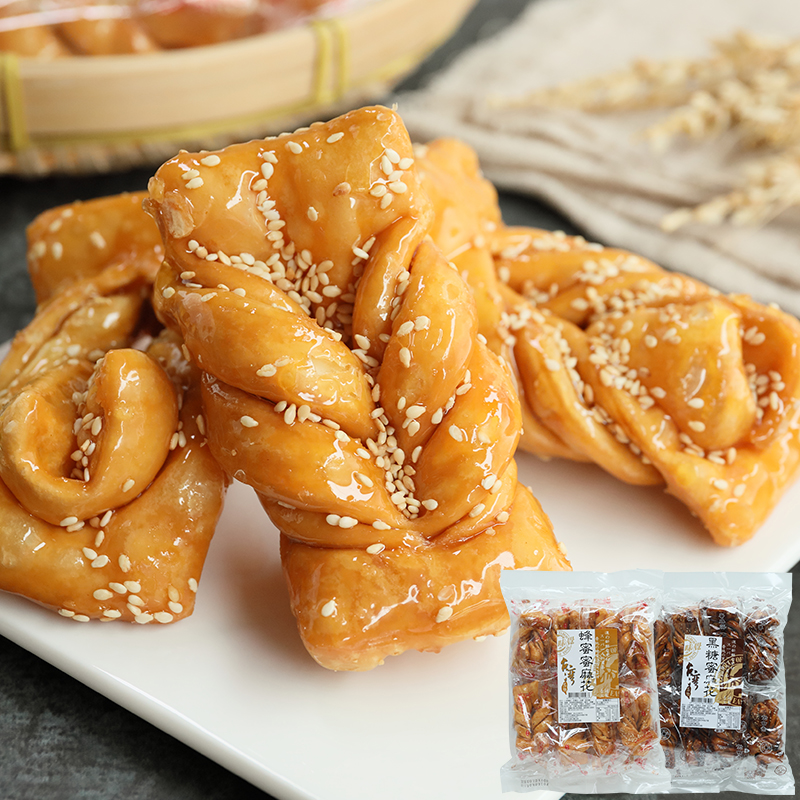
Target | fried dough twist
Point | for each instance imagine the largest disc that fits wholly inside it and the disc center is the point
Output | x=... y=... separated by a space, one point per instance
x=345 y=382
x=107 y=496
x=652 y=375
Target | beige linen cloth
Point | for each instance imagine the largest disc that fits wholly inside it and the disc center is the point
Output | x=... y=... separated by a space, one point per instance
x=591 y=166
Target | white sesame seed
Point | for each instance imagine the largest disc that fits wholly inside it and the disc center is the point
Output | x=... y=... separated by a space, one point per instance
x=267 y=371
x=398 y=187
x=430 y=504
x=248 y=422
x=97 y=426
x=124 y=563
x=378 y=190
x=163 y=617
x=210 y=161
x=696 y=425
x=295 y=148
x=374 y=549
x=58 y=250
x=192 y=583
x=444 y=614
x=328 y=609
x=67 y=521
x=81 y=618
x=348 y=522
x=489 y=481
x=168 y=292
x=97 y=239
x=477 y=510
x=658 y=392
x=65 y=612
x=102 y=594
x=719 y=483
x=405 y=163
x=386 y=201
x=112 y=613
x=502 y=517
x=696 y=402
x=405 y=356
x=100 y=561
x=334 y=137
x=143 y=619
x=456 y=433
x=128 y=485
x=90 y=554
x=739 y=489
x=176 y=608
x=650 y=341
x=312 y=213
x=552 y=364
x=194 y=183
x=117 y=587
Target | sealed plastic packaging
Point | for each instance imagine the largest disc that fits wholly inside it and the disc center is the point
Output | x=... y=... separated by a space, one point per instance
x=722 y=686
x=583 y=683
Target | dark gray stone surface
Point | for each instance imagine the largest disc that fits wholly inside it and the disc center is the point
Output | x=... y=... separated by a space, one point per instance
x=60 y=740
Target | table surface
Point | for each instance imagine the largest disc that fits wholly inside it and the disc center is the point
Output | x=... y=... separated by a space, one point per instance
x=60 y=740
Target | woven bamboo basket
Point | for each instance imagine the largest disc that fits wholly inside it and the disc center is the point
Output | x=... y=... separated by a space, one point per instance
x=98 y=113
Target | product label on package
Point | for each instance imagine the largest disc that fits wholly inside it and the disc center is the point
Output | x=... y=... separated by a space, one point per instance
x=711 y=685
x=588 y=675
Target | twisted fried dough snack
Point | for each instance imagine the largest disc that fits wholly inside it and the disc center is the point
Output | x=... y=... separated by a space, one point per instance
x=654 y=376
x=81 y=239
x=107 y=495
x=345 y=383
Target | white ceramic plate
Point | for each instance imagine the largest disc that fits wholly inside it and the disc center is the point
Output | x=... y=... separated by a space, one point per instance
x=234 y=682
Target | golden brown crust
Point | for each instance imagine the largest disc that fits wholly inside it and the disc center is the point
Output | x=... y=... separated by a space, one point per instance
x=344 y=381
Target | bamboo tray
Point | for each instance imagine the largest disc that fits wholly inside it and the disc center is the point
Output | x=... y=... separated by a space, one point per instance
x=98 y=113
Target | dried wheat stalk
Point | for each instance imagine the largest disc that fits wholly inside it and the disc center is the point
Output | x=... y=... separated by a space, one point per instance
x=749 y=86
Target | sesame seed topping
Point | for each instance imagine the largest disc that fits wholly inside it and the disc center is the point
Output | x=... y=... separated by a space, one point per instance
x=163 y=617
x=405 y=356
x=102 y=594
x=502 y=517
x=430 y=504
x=58 y=250
x=65 y=612
x=374 y=549
x=552 y=364
x=67 y=521
x=128 y=485
x=267 y=371
x=295 y=148
x=210 y=161
x=444 y=614
x=658 y=392
x=117 y=587
x=650 y=341
x=143 y=619
x=112 y=613
x=696 y=402
x=739 y=489
x=176 y=608
x=334 y=137
x=405 y=163
x=248 y=422
x=192 y=583
x=124 y=563
x=719 y=483
x=477 y=510
x=386 y=200
x=81 y=618
x=97 y=239
x=168 y=292
x=456 y=433
x=312 y=214
x=194 y=183
x=100 y=561
x=696 y=425
x=328 y=609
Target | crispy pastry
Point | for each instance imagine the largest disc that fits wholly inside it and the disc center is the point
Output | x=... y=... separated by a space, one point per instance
x=764 y=734
x=107 y=495
x=345 y=383
x=664 y=652
x=762 y=652
x=654 y=376
x=81 y=239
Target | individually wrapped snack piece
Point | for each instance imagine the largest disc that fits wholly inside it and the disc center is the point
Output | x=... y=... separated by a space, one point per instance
x=723 y=700
x=583 y=682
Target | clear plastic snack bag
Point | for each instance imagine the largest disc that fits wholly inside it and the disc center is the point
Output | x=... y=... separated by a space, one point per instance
x=583 y=682
x=722 y=685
